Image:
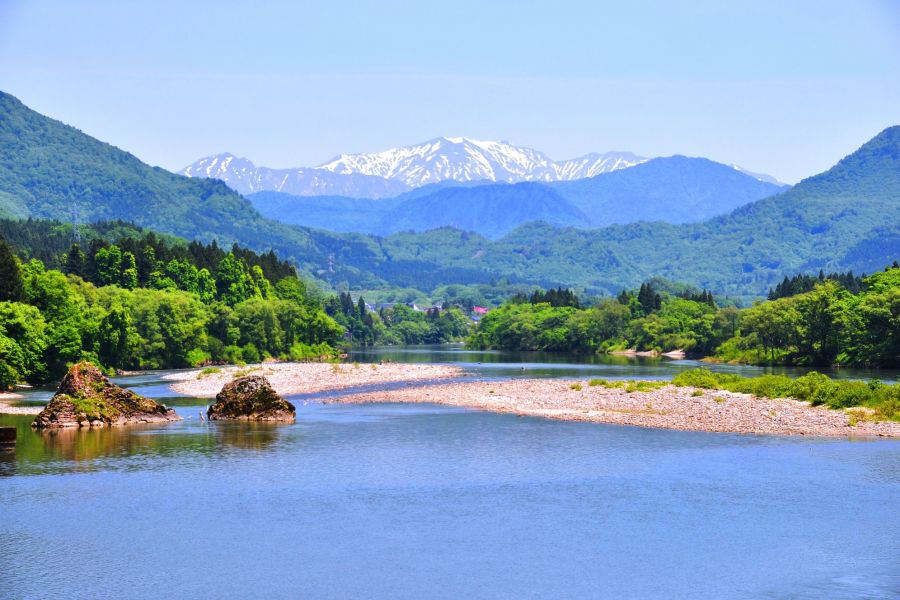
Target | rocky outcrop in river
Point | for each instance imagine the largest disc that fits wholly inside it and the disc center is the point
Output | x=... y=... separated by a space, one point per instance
x=251 y=398
x=86 y=398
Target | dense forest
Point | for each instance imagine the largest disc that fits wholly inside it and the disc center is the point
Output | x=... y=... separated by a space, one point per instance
x=827 y=325
x=151 y=302
x=164 y=314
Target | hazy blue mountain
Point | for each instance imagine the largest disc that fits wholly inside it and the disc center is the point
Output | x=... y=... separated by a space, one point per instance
x=491 y=210
x=675 y=189
x=335 y=213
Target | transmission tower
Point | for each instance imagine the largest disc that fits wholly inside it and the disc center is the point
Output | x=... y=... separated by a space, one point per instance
x=76 y=231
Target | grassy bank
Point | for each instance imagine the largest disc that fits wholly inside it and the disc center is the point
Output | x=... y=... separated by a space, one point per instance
x=879 y=401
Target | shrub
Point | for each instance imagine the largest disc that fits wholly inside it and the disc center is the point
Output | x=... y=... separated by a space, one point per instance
x=804 y=388
x=576 y=387
x=233 y=354
x=843 y=394
x=304 y=352
x=699 y=378
x=197 y=357
x=765 y=386
x=251 y=353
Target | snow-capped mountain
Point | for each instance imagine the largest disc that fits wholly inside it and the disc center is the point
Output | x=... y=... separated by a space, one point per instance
x=591 y=165
x=245 y=178
x=464 y=159
x=392 y=172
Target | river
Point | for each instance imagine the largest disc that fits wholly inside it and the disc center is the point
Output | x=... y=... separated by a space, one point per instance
x=401 y=501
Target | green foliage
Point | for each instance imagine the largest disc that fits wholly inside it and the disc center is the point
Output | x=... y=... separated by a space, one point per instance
x=63 y=320
x=818 y=389
x=11 y=287
x=672 y=323
x=827 y=325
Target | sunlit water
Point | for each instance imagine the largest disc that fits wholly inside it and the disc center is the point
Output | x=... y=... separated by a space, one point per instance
x=397 y=501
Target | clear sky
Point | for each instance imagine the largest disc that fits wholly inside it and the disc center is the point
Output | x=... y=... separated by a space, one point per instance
x=785 y=87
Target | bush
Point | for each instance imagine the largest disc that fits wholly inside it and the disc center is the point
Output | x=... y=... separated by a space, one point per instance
x=804 y=388
x=303 y=352
x=843 y=394
x=765 y=386
x=233 y=354
x=699 y=378
x=251 y=353
x=197 y=357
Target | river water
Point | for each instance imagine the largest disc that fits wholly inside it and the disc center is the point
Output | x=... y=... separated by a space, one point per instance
x=401 y=501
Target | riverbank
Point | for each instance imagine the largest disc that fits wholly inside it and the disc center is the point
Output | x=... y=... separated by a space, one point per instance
x=6 y=407
x=311 y=378
x=643 y=404
x=667 y=407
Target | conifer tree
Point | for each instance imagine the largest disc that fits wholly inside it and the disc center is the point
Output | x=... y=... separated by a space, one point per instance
x=11 y=286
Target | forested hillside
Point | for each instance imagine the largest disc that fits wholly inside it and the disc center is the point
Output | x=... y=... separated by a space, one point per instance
x=49 y=170
x=845 y=218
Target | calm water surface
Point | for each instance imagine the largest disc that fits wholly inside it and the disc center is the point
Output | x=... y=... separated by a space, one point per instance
x=392 y=501
x=497 y=363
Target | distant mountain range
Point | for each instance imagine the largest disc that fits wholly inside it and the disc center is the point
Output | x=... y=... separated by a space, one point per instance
x=675 y=189
x=845 y=218
x=244 y=177
x=391 y=172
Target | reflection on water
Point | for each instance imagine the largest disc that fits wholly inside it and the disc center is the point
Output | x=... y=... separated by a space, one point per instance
x=397 y=501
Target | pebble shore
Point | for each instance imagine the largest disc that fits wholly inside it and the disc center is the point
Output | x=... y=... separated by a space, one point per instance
x=669 y=407
x=7 y=409
x=310 y=378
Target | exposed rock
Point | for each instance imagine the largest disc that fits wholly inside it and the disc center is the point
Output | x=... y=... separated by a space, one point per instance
x=251 y=398
x=86 y=398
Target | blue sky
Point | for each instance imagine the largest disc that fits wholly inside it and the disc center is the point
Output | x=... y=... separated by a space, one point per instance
x=785 y=88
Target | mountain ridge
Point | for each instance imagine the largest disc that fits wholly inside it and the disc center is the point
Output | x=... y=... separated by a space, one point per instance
x=846 y=217
x=670 y=189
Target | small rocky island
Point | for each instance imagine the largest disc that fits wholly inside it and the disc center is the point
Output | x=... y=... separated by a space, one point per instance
x=86 y=398
x=250 y=398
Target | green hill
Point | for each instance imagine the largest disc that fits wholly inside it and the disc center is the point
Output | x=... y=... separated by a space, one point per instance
x=49 y=170
x=845 y=218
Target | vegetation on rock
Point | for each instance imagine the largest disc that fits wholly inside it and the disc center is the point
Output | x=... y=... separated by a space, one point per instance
x=250 y=398
x=86 y=398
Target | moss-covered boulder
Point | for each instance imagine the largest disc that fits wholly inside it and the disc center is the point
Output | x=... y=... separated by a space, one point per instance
x=251 y=398
x=86 y=398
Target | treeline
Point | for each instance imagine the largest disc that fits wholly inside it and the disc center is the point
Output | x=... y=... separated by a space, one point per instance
x=182 y=315
x=51 y=243
x=397 y=323
x=643 y=319
x=828 y=325
x=825 y=326
x=554 y=297
x=802 y=283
